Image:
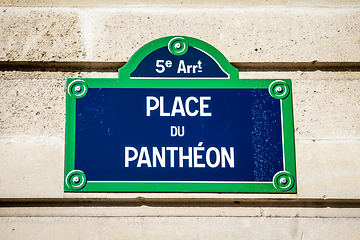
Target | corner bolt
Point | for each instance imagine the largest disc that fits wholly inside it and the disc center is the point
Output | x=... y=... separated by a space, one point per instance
x=283 y=180
x=78 y=89
x=76 y=179
x=279 y=89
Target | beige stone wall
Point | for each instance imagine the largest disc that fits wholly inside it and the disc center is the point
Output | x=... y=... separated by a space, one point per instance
x=316 y=44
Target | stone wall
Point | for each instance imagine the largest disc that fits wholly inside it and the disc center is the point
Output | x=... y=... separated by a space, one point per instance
x=316 y=44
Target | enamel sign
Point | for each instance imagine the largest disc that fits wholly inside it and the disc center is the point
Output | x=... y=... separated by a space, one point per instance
x=179 y=119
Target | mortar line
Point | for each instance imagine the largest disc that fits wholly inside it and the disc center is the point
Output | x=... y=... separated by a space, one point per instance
x=91 y=66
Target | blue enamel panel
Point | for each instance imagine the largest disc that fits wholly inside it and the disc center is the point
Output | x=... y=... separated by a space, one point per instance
x=110 y=119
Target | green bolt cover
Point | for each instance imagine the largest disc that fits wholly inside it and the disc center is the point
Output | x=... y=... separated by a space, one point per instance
x=75 y=180
x=77 y=88
x=283 y=181
x=178 y=46
x=279 y=89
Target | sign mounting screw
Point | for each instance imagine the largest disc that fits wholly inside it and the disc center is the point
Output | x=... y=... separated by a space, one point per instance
x=283 y=180
x=279 y=89
x=78 y=89
x=76 y=179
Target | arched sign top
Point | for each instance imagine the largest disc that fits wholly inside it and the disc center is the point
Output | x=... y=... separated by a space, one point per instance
x=178 y=57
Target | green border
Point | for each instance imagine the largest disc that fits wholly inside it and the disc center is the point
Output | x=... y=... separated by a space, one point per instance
x=233 y=82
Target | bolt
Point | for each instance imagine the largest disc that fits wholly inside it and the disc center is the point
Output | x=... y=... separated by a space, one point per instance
x=78 y=89
x=279 y=89
x=283 y=180
x=177 y=45
x=76 y=179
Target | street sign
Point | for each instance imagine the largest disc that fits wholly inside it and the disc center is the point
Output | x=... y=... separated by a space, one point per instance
x=179 y=119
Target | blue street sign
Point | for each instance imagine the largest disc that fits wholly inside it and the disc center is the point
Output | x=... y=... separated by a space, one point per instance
x=179 y=119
